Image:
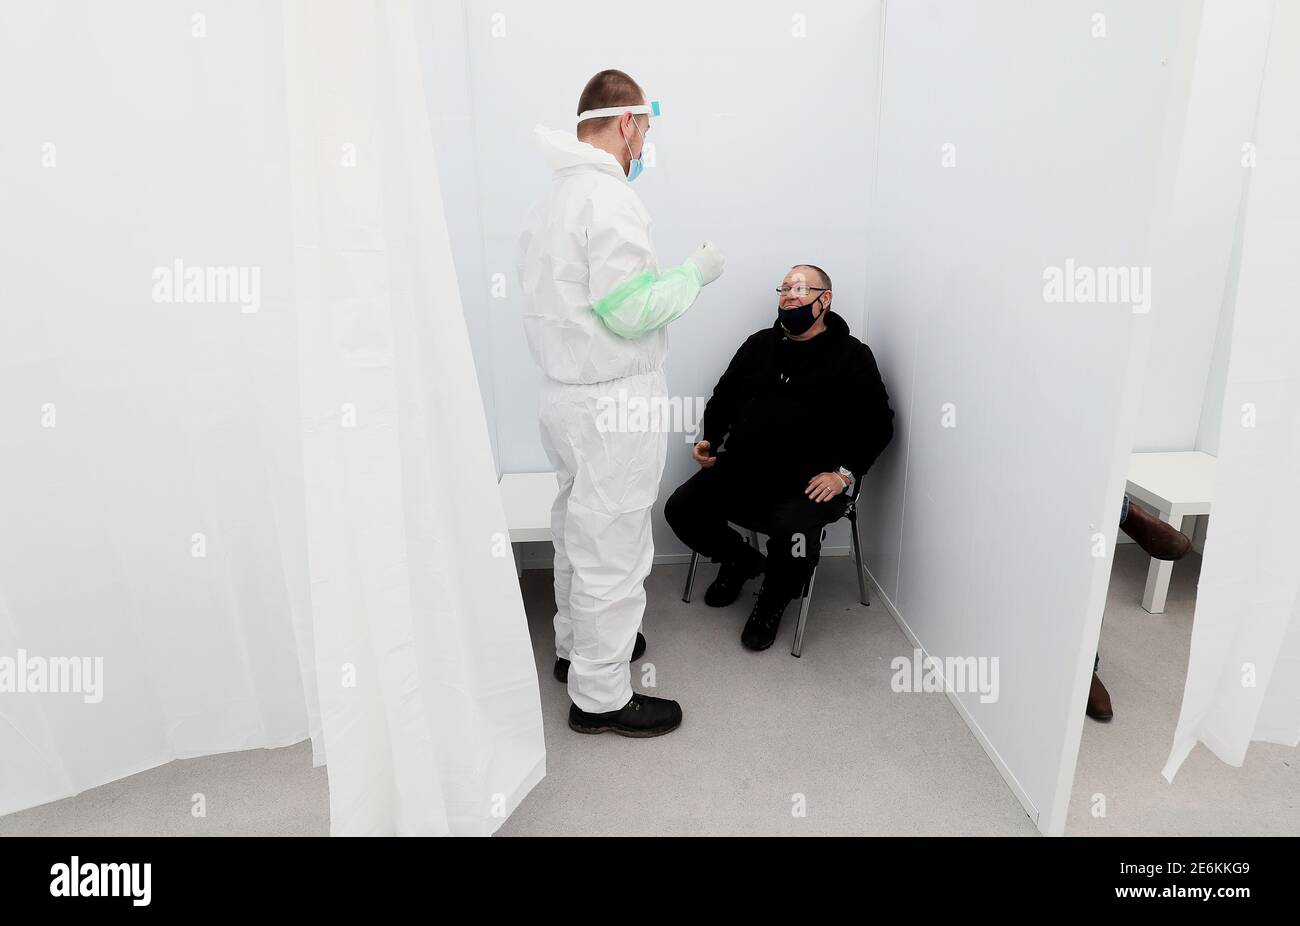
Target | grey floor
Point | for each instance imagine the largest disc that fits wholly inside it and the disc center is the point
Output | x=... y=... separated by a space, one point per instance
x=763 y=729
x=1144 y=665
x=766 y=734
x=261 y=792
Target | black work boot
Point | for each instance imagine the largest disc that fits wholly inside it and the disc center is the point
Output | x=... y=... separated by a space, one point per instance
x=561 y=670
x=732 y=577
x=765 y=620
x=643 y=716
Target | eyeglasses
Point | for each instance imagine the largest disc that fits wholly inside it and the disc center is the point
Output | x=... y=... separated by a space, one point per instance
x=800 y=289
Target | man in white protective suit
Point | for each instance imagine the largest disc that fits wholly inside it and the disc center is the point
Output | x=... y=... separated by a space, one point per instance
x=596 y=308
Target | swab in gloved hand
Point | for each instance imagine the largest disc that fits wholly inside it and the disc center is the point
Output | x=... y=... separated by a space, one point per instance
x=708 y=260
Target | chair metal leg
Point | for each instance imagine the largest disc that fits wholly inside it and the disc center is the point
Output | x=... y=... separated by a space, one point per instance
x=690 y=577
x=857 y=559
x=803 y=614
x=695 y=562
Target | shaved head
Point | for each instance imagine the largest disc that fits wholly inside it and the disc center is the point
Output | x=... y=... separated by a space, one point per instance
x=608 y=88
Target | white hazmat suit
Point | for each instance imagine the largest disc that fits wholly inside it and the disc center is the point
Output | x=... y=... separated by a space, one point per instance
x=595 y=309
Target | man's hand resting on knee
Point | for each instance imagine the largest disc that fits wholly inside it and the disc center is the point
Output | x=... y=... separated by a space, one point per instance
x=824 y=486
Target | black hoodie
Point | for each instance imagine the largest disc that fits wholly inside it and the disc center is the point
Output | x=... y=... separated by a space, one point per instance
x=793 y=409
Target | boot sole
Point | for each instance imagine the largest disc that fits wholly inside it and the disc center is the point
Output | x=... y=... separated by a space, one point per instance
x=621 y=731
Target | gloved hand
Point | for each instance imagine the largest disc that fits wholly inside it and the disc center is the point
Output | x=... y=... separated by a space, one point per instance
x=708 y=260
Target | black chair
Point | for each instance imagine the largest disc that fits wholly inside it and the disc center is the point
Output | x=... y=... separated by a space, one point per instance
x=805 y=596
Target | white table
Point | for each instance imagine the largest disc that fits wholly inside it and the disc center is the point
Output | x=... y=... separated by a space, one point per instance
x=527 y=498
x=1177 y=485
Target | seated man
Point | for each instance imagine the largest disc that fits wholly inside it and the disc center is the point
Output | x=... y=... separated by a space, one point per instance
x=804 y=414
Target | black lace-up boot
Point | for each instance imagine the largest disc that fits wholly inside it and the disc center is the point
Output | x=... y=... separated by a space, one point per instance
x=732 y=577
x=641 y=717
x=765 y=620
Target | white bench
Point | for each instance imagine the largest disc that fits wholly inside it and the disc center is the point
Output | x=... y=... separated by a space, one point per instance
x=1177 y=486
x=528 y=498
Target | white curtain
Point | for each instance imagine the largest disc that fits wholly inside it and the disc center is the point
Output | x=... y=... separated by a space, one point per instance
x=188 y=512
x=1243 y=676
x=428 y=691
x=150 y=469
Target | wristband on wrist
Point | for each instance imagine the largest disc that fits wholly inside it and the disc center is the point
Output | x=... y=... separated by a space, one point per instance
x=846 y=477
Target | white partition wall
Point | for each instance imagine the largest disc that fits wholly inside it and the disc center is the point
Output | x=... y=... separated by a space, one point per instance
x=1181 y=393
x=1017 y=141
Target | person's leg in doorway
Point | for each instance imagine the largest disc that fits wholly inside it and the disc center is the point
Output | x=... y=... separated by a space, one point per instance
x=1158 y=539
x=1099 y=707
x=793 y=547
x=699 y=513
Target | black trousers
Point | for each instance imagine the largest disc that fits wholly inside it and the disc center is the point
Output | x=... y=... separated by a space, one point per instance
x=702 y=506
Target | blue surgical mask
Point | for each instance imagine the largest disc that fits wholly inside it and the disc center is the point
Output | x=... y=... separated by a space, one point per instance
x=636 y=166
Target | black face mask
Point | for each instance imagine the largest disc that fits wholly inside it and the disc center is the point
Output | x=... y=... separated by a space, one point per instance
x=799 y=319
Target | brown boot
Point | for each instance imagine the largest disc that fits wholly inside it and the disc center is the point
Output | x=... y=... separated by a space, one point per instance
x=1161 y=540
x=1099 y=700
